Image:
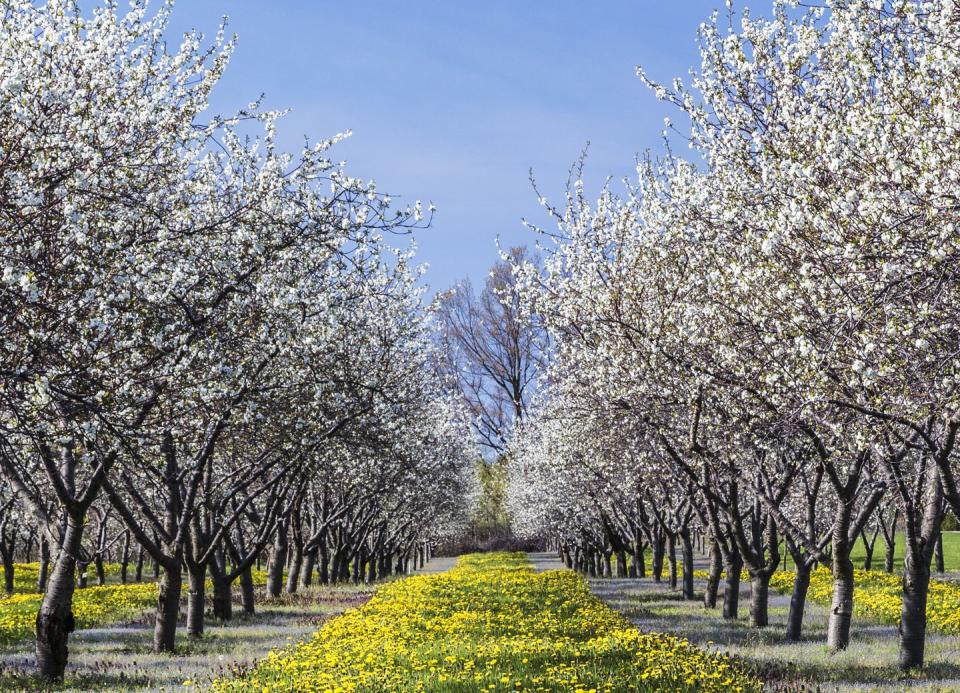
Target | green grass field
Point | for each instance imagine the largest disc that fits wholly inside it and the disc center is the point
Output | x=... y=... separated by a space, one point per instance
x=951 y=552
x=868 y=665
x=490 y=624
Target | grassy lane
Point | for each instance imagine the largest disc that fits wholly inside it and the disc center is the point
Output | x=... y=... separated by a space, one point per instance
x=877 y=596
x=951 y=552
x=93 y=606
x=120 y=657
x=869 y=664
x=490 y=624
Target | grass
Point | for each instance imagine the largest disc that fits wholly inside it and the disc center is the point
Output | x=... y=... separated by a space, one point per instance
x=951 y=552
x=121 y=658
x=490 y=624
x=878 y=596
x=93 y=606
x=25 y=576
x=869 y=664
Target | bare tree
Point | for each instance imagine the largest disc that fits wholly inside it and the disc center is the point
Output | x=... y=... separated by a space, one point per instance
x=492 y=351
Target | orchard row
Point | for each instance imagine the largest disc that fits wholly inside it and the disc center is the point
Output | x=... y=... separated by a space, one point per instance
x=211 y=350
x=759 y=343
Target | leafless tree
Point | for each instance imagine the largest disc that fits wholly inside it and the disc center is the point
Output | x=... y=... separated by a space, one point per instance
x=493 y=351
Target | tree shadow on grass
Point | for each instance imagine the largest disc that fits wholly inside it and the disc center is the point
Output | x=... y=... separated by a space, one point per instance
x=126 y=678
x=807 y=662
x=788 y=675
x=806 y=665
x=121 y=656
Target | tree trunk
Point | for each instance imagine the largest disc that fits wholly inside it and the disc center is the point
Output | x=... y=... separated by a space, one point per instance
x=913 y=613
x=101 y=573
x=621 y=564
x=731 y=589
x=247 y=592
x=278 y=558
x=383 y=565
x=916 y=574
x=356 y=574
x=759 y=599
x=8 y=569
x=841 y=610
x=639 y=563
x=309 y=564
x=687 y=544
x=336 y=567
x=196 y=600
x=891 y=547
x=713 y=576
x=138 y=572
x=658 y=550
x=44 y=565
x=222 y=598
x=55 y=618
x=798 y=601
x=672 y=560
x=293 y=576
x=125 y=558
x=324 y=574
x=168 y=608
x=938 y=554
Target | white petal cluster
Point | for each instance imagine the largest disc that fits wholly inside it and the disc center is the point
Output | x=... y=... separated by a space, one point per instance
x=176 y=292
x=780 y=308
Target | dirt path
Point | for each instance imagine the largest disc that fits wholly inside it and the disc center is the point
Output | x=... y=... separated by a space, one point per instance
x=438 y=564
x=545 y=561
x=869 y=664
x=120 y=657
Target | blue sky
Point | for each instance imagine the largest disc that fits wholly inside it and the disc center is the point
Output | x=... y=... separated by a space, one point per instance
x=454 y=101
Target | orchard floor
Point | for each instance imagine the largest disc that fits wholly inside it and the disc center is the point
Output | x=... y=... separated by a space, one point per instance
x=869 y=664
x=120 y=658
